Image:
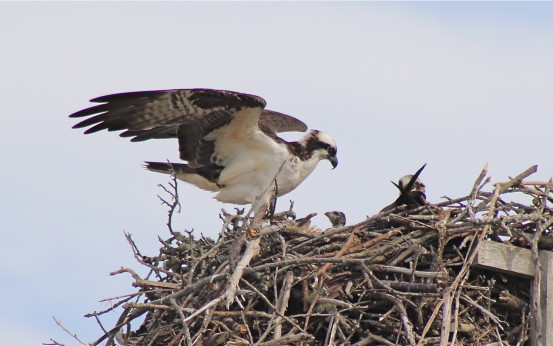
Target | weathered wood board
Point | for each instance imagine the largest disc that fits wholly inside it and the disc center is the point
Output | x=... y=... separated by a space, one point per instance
x=516 y=261
x=504 y=258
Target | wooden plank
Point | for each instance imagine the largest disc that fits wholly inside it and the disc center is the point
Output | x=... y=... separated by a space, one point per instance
x=546 y=296
x=504 y=258
x=517 y=261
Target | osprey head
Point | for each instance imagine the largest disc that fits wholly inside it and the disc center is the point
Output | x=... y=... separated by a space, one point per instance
x=417 y=186
x=337 y=218
x=322 y=145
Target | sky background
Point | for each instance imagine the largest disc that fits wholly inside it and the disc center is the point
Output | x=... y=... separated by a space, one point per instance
x=454 y=85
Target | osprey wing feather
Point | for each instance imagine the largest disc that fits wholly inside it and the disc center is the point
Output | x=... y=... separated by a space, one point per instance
x=227 y=139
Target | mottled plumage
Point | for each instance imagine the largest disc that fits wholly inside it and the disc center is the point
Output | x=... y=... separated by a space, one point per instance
x=228 y=140
x=337 y=218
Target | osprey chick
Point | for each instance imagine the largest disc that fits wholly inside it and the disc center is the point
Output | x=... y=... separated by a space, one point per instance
x=337 y=218
x=227 y=139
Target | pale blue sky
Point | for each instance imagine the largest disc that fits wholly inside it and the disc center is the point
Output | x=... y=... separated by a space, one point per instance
x=454 y=85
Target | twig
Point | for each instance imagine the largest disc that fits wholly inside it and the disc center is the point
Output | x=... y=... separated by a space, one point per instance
x=73 y=335
x=174 y=196
x=518 y=179
x=282 y=303
x=492 y=317
x=340 y=253
x=268 y=302
x=232 y=285
x=183 y=322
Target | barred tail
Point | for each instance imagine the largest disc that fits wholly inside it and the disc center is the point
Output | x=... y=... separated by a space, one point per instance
x=203 y=177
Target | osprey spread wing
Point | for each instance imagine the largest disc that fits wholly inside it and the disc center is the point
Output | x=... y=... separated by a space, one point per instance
x=228 y=140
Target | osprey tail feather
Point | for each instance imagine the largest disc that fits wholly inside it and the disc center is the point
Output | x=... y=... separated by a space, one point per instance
x=197 y=176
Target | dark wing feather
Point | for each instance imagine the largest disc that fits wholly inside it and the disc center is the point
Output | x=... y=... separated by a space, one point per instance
x=193 y=147
x=150 y=110
x=186 y=114
x=159 y=132
x=272 y=122
x=411 y=183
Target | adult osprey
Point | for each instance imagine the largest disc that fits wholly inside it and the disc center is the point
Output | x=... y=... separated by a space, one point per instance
x=227 y=139
x=412 y=192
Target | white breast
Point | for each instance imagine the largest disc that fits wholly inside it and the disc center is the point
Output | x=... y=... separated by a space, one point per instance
x=253 y=160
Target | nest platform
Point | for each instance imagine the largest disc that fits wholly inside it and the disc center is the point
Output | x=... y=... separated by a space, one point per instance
x=402 y=277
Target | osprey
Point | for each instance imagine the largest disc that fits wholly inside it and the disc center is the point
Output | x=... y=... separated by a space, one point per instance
x=337 y=218
x=228 y=139
x=412 y=191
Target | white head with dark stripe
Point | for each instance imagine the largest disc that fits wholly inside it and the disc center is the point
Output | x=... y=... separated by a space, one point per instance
x=320 y=145
x=417 y=186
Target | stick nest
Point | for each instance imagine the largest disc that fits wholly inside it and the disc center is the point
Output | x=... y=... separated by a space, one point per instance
x=400 y=277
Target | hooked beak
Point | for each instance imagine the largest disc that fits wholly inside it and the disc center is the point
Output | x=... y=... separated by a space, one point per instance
x=333 y=161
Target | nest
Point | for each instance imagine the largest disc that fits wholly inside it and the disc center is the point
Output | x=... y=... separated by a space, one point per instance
x=399 y=277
